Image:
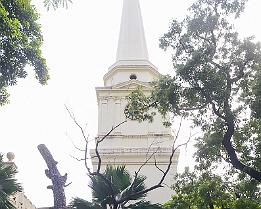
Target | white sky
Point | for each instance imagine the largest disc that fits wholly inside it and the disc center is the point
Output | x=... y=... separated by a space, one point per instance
x=80 y=44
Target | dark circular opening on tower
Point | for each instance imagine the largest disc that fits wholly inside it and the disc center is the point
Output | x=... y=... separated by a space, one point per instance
x=133 y=77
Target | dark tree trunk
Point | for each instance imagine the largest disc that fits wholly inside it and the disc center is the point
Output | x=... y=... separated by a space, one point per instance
x=211 y=206
x=233 y=156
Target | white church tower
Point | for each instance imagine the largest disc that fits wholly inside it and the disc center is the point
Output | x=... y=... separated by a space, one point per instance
x=132 y=143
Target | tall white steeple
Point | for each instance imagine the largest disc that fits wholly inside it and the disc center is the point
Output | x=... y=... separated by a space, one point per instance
x=132 y=143
x=132 y=47
x=132 y=42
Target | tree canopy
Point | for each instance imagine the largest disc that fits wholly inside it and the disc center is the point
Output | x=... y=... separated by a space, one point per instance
x=208 y=191
x=20 y=42
x=216 y=84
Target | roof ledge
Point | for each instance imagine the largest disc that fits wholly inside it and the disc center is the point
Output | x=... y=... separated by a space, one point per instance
x=122 y=63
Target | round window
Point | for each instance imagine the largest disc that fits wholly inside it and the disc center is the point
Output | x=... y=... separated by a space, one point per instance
x=133 y=77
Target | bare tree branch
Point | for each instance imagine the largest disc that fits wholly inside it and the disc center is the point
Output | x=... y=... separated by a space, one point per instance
x=144 y=163
x=101 y=140
x=76 y=147
x=160 y=183
x=76 y=122
x=97 y=172
x=83 y=159
x=155 y=163
x=86 y=158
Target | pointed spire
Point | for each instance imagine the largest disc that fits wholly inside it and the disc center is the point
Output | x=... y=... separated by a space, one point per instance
x=132 y=43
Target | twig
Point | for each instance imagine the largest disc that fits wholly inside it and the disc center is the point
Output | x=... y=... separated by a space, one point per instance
x=155 y=163
x=82 y=159
x=79 y=149
x=159 y=184
x=76 y=122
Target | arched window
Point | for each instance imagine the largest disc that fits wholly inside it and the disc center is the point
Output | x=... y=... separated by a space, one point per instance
x=133 y=77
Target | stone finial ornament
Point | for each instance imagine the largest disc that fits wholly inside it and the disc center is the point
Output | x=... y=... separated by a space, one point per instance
x=10 y=156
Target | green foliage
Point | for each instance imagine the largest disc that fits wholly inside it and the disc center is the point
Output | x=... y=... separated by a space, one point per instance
x=120 y=179
x=56 y=3
x=216 y=84
x=244 y=203
x=138 y=106
x=142 y=108
x=20 y=42
x=122 y=186
x=8 y=184
x=83 y=204
x=209 y=149
x=209 y=191
x=144 y=205
x=255 y=102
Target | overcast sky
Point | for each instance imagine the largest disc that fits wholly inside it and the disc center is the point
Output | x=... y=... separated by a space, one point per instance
x=80 y=45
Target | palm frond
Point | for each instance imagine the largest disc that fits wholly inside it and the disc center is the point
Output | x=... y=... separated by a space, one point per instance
x=137 y=186
x=79 y=203
x=122 y=185
x=118 y=176
x=56 y=3
x=8 y=184
x=144 y=205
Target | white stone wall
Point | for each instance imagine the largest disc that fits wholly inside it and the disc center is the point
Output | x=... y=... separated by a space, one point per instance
x=111 y=113
x=132 y=143
x=122 y=74
x=134 y=158
x=20 y=201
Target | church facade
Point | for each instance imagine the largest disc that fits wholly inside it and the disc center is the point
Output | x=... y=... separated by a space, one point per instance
x=132 y=143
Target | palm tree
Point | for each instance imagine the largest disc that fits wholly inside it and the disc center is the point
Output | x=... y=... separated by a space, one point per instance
x=121 y=182
x=8 y=184
x=79 y=203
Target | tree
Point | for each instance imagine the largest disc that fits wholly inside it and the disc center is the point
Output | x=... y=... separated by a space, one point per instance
x=58 y=181
x=121 y=181
x=116 y=198
x=56 y=3
x=79 y=203
x=8 y=184
x=20 y=42
x=208 y=191
x=216 y=85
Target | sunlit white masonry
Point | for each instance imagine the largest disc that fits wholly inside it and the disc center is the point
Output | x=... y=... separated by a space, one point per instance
x=133 y=142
